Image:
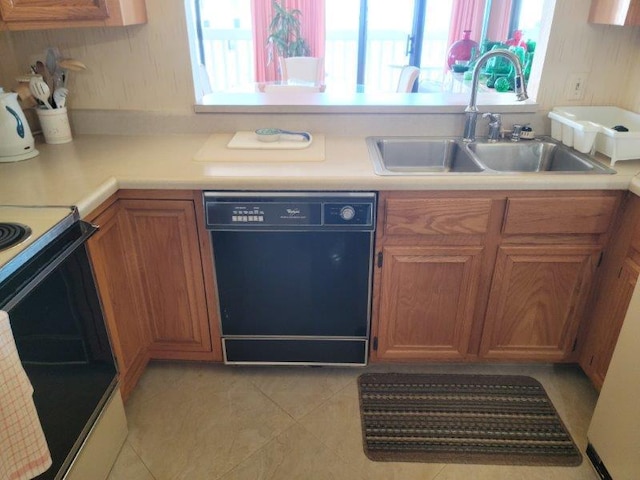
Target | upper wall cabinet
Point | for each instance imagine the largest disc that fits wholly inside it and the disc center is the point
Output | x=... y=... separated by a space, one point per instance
x=45 y=14
x=615 y=12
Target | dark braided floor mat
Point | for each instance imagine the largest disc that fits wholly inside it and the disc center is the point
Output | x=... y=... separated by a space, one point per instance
x=507 y=420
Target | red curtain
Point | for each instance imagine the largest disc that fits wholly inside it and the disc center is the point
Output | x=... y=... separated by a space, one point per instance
x=466 y=15
x=469 y=14
x=498 y=29
x=312 y=29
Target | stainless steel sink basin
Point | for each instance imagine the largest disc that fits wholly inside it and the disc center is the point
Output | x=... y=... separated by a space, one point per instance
x=534 y=156
x=420 y=156
x=446 y=156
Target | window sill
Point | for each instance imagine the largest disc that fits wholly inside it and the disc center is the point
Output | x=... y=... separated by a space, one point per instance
x=407 y=103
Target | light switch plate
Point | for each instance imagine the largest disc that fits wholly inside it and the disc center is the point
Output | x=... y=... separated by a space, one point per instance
x=575 y=86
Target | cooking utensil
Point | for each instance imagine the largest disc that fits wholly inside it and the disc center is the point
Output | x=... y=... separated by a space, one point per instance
x=60 y=97
x=72 y=65
x=51 y=60
x=57 y=73
x=41 y=70
x=273 y=134
x=59 y=79
x=40 y=90
x=66 y=65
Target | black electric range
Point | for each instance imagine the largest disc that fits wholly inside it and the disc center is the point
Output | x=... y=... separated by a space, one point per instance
x=48 y=290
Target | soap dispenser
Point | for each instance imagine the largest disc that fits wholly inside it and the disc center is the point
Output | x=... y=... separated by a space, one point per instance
x=527 y=132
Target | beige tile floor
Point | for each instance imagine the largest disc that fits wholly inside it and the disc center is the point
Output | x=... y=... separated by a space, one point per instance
x=199 y=421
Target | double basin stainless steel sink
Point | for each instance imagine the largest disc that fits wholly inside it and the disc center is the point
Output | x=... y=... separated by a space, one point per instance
x=428 y=156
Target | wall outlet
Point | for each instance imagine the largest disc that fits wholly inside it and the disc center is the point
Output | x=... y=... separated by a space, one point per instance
x=575 y=86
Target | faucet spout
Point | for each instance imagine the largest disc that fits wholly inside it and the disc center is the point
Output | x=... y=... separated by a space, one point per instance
x=471 y=111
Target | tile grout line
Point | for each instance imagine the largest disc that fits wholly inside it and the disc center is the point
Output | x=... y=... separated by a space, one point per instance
x=139 y=458
x=264 y=394
x=435 y=477
x=296 y=422
x=255 y=452
x=329 y=448
x=274 y=437
x=152 y=396
x=313 y=409
x=326 y=400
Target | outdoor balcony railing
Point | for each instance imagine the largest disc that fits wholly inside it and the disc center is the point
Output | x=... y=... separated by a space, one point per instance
x=230 y=60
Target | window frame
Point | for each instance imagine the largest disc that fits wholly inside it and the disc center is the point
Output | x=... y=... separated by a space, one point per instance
x=356 y=102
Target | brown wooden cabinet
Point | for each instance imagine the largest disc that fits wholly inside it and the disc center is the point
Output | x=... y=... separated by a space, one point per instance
x=486 y=275
x=154 y=271
x=427 y=301
x=461 y=276
x=620 y=269
x=165 y=242
x=615 y=12
x=429 y=286
x=115 y=270
x=45 y=14
x=550 y=248
x=537 y=300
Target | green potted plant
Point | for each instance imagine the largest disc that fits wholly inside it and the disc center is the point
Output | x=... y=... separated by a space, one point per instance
x=284 y=33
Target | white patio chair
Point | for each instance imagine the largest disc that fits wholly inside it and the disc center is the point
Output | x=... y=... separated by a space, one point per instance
x=408 y=77
x=301 y=69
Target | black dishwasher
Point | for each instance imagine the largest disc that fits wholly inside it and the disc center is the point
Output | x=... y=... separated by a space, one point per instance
x=293 y=272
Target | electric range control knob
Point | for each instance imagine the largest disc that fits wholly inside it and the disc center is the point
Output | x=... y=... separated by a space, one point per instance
x=347 y=213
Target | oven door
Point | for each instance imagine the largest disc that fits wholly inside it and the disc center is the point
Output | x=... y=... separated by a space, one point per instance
x=62 y=341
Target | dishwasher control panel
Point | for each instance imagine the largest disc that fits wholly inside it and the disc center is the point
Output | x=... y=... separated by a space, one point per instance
x=232 y=211
x=347 y=213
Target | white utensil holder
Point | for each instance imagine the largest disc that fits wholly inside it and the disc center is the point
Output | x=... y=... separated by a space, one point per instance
x=590 y=129
x=55 y=125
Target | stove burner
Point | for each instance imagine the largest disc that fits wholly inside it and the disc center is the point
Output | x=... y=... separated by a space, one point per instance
x=12 y=233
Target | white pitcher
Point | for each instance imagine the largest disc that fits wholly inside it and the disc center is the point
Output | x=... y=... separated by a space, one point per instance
x=16 y=140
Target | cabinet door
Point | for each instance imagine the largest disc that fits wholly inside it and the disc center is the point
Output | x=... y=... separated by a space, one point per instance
x=537 y=296
x=49 y=14
x=615 y=12
x=610 y=310
x=165 y=241
x=35 y=10
x=427 y=302
x=121 y=295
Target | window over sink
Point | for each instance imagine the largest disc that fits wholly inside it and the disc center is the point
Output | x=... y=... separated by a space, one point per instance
x=361 y=45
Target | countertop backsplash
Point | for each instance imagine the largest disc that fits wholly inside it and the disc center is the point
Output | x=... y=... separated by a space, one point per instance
x=157 y=123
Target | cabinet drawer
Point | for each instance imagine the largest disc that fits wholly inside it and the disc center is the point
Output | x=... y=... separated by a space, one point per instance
x=437 y=216
x=565 y=215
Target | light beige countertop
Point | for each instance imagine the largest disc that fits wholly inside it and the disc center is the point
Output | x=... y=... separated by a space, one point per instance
x=92 y=167
x=634 y=186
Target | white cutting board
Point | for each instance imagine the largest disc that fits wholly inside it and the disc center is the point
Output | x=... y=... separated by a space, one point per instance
x=217 y=148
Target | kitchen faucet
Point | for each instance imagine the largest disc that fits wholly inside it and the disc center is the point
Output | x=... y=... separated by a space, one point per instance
x=472 y=110
x=495 y=126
